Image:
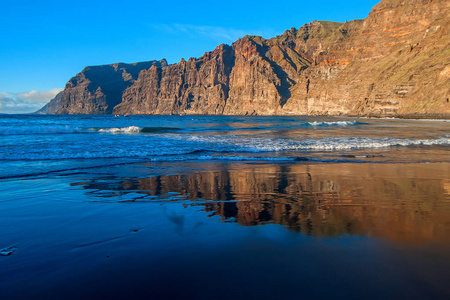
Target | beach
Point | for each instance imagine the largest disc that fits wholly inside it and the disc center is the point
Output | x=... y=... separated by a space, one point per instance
x=187 y=207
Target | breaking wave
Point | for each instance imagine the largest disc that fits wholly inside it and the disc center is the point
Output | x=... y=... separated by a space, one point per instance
x=342 y=143
x=129 y=129
x=337 y=123
x=136 y=129
x=46 y=129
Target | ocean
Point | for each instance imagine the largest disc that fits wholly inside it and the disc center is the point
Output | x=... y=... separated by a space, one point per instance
x=223 y=207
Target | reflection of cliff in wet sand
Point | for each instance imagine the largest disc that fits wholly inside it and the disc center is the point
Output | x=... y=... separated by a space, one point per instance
x=407 y=203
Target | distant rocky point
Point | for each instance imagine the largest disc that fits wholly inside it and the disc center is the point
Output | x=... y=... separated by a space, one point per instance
x=395 y=62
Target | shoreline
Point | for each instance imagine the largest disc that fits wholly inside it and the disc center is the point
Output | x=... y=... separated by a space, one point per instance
x=440 y=117
x=412 y=116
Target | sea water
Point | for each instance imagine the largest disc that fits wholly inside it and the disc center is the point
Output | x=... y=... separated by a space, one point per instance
x=35 y=144
x=201 y=207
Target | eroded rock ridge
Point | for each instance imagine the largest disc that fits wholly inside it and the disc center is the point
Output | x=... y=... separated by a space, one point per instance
x=394 y=62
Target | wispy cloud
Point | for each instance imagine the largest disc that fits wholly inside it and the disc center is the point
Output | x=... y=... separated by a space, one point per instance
x=219 y=34
x=18 y=103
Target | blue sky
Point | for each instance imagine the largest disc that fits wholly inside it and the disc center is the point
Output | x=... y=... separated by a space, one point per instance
x=44 y=43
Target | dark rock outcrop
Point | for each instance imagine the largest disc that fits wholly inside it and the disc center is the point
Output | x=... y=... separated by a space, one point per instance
x=98 y=89
x=394 y=62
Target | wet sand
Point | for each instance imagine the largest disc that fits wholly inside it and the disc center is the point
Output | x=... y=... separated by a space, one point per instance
x=221 y=230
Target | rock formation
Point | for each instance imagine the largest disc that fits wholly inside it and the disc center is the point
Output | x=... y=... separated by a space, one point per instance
x=198 y=86
x=52 y=107
x=98 y=89
x=394 y=62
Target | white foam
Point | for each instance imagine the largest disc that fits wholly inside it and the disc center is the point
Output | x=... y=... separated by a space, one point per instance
x=129 y=129
x=241 y=143
x=337 y=123
x=370 y=143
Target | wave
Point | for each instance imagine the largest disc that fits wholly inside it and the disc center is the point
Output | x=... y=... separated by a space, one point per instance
x=372 y=143
x=190 y=146
x=46 y=129
x=136 y=129
x=156 y=129
x=336 y=123
x=239 y=144
x=129 y=129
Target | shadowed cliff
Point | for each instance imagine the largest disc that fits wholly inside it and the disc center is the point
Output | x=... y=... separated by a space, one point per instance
x=98 y=89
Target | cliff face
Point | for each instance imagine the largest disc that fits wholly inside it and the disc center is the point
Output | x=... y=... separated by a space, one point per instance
x=396 y=61
x=197 y=86
x=98 y=89
x=52 y=107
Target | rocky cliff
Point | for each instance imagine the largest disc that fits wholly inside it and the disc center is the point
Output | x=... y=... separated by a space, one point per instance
x=394 y=62
x=98 y=89
x=52 y=107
